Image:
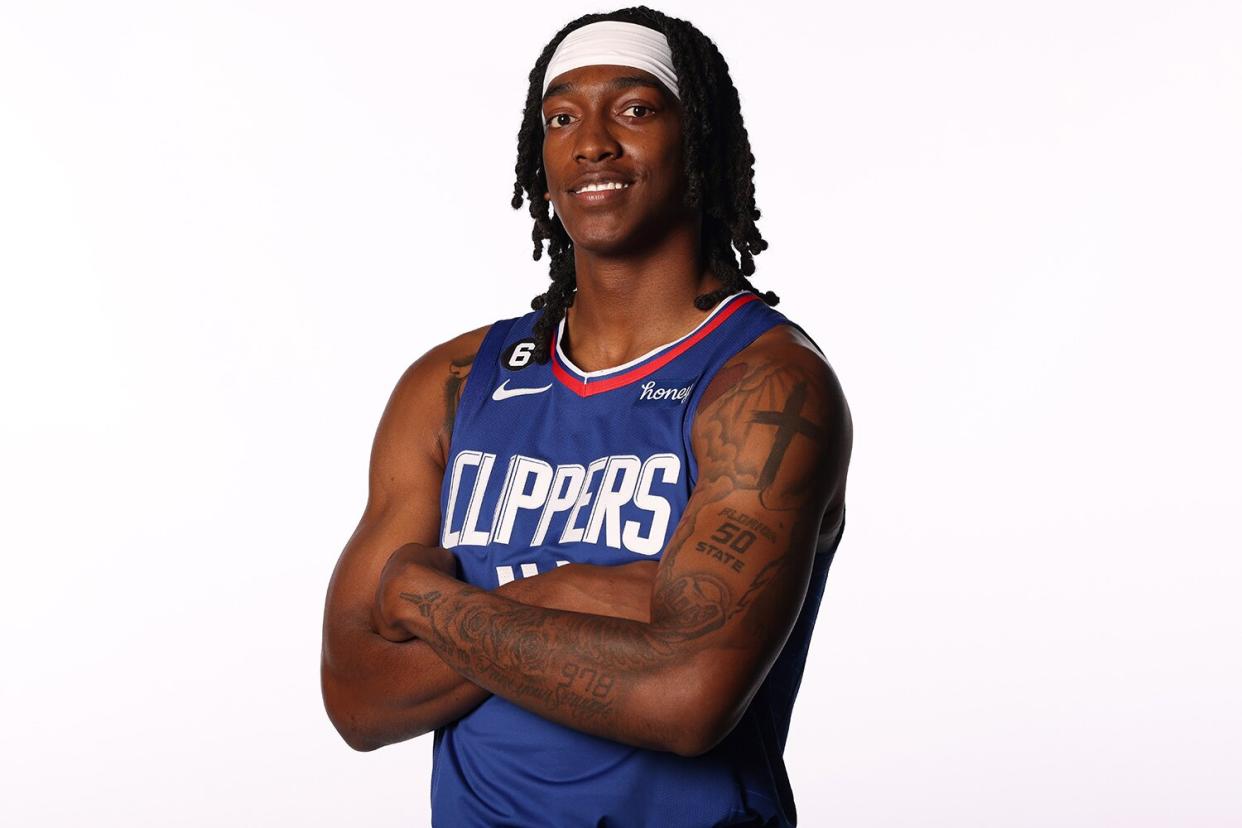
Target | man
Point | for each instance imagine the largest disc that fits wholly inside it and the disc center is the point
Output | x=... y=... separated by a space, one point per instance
x=641 y=483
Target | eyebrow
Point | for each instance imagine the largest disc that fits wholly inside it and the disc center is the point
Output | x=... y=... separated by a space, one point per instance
x=614 y=85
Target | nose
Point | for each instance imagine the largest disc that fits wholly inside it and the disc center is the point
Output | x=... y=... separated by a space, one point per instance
x=595 y=140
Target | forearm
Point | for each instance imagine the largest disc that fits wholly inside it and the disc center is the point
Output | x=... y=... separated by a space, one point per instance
x=382 y=692
x=616 y=678
x=394 y=691
x=379 y=692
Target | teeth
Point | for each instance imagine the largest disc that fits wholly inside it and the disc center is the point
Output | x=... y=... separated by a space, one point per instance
x=607 y=185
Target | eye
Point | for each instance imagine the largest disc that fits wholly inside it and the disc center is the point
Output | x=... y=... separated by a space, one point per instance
x=549 y=121
x=639 y=106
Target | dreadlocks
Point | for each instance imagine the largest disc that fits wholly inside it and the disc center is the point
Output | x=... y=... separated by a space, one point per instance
x=714 y=141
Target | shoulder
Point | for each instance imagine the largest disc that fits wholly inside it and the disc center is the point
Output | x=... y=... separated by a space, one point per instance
x=782 y=355
x=774 y=417
x=426 y=395
x=439 y=365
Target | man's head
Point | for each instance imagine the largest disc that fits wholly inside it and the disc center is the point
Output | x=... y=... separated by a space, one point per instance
x=653 y=106
x=614 y=125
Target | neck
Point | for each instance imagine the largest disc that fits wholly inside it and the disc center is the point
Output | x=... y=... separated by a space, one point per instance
x=627 y=306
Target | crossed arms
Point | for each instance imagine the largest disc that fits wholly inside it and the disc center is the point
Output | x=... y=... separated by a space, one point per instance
x=772 y=438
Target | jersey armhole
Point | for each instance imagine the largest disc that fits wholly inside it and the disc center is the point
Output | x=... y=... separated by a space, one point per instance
x=482 y=371
x=802 y=331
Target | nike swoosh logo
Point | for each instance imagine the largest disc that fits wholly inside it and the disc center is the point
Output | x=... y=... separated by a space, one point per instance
x=502 y=393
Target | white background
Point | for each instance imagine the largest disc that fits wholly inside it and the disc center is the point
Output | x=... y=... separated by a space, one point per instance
x=226 y=228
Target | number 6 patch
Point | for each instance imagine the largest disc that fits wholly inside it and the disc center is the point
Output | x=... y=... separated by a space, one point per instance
x=518 y=355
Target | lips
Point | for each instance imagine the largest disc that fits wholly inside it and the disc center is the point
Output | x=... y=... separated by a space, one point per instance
x=599 y=177
x=594 y=187
x=600 y=197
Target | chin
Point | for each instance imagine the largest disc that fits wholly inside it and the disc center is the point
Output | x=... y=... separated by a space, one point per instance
x=604 y=242
x=604 y=239
x=606 y=248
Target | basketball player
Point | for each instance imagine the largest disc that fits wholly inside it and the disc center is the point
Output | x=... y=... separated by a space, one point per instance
x=598 y=534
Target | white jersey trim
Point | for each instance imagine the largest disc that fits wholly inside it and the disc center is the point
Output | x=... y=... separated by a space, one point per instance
x=560 y=337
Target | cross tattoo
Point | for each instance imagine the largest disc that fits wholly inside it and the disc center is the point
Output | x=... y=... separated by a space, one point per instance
x=789 y=424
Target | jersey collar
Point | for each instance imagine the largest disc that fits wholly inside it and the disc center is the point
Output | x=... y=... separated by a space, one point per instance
x=589 y=383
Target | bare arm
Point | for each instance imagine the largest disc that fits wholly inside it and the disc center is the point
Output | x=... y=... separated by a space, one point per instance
x=773 y=438
x=403 y=690
x=377 y=692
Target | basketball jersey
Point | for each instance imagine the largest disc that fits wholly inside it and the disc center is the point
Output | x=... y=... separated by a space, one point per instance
x=548 y=465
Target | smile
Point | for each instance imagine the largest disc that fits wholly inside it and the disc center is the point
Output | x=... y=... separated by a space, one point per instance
x=603 y=185
x=600 y=193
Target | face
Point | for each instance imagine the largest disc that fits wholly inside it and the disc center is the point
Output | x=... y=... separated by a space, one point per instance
x=617 y=123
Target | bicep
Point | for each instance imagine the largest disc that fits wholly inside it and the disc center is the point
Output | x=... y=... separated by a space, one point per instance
x=406 y=471
x=772 y=450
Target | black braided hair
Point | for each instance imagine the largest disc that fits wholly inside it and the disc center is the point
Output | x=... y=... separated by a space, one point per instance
x=715 y=142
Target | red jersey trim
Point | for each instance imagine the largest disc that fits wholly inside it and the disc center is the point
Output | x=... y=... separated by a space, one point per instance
x=588 y=389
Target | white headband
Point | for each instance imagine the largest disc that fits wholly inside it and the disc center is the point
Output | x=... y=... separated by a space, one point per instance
x=613 y=42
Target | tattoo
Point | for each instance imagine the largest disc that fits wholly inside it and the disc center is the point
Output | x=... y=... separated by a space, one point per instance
x=727 y=558
x=724 y=380
x=423 y=602
x=698 y=601
x=739 y=450
x=595 y=689
x=749 y=522
x=765 y=577
x=743 y=438
x=577 y=663
x=459 y=369
x=579 y=669
x=738 y=539
x=733 y=536
x=790 y=424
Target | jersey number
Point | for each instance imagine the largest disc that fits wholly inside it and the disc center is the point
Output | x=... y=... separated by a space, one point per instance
x=518 y=354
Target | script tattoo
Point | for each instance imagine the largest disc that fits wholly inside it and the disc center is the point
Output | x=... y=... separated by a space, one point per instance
x=594 y=688
x=529 y=652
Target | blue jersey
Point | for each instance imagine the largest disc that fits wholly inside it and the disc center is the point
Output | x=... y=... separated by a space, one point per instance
x=549 y=464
